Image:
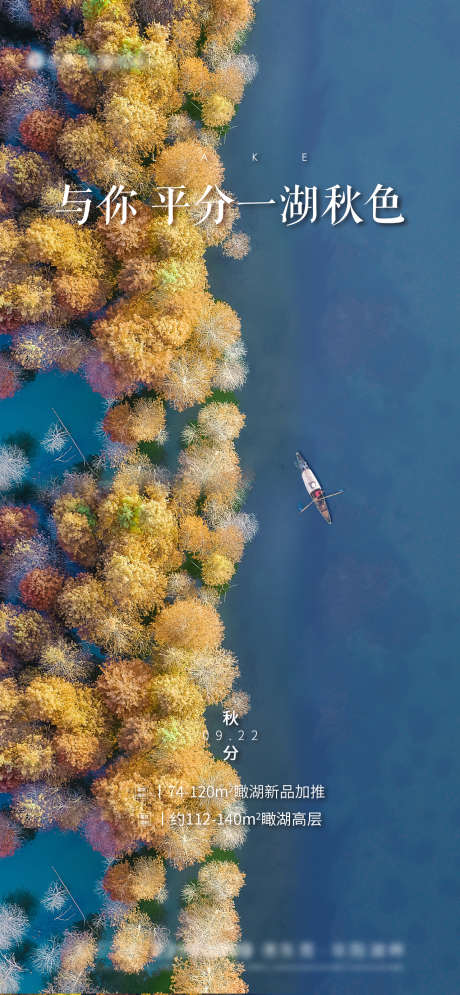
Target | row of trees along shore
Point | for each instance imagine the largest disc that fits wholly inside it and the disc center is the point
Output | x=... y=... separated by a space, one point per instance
x=111 y=641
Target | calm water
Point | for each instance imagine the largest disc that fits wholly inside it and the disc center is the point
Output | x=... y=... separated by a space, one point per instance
x=346 y=636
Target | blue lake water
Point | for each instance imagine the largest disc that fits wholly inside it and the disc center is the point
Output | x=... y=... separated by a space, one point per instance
x=347 y=636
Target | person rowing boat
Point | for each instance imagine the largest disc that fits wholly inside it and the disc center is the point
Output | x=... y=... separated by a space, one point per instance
x=314 y=489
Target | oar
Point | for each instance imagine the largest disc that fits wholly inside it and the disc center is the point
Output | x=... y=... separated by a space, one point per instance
x=324 y=496
x=333 y=495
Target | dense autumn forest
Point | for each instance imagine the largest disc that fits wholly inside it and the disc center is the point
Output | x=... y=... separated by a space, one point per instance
x=111 y=642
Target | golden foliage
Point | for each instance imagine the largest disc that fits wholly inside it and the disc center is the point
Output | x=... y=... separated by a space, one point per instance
x=229 y=83
x=194 y=535
x=75 y=530
x=67 y=248
x=129 y=69
x=126 y=240
x=144 y=879
x=132 y=581
x=84 y=146
x=220 y=880
x=217 y=570
x=214 y=468
x=174 y=694
x=9 y=699
x=78 y=952
x=212 y=974
x=74 y=74
x=209 y=929
x=228 y=19
x=144 y=420
x=14 y=64
x=86 y=605
x=24 y=173
x=147 y=784
x=67 y=706
x=123 y=685
x=186 y=845
x=189 y=624
x=82 y=751
x=220 y=422
x=217 y=111
x=194 y=76
x=191 y=165
x=228 y=540
x=16 y=523
x=213 y=671
x=136 y=942
x=25 y=632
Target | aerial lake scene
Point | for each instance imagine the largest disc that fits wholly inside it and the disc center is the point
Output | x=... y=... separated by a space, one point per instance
x=229 y=739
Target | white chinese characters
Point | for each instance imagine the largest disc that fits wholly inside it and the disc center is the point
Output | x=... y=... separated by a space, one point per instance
x=299 y=204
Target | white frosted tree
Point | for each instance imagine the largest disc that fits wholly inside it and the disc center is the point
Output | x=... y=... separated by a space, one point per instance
x=14 y=466
x=10 y=975
x=13 y=925
x=46 y=957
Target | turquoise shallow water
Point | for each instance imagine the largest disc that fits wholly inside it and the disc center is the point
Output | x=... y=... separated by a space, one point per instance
x=347 y=636
x=27 y=875
x=30 y=411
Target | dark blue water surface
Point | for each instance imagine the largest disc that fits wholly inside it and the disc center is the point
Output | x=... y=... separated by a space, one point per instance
x=347 y=636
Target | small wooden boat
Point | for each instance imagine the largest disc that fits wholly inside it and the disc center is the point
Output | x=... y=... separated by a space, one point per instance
x=314 y=489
